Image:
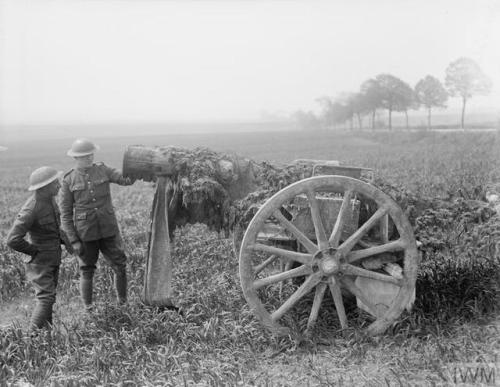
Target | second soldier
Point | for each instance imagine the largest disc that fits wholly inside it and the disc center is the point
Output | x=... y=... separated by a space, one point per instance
x=39 y=218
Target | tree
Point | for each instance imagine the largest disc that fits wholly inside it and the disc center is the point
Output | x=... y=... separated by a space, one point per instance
x=326 y=115
x=360 y=106
x=395 y=95
x=430 y=93
x=346 y=107
x=406 y=99
x=306 y=120
x=341 y=112
x=464 y=78
x=338 y=111
x=371 y=92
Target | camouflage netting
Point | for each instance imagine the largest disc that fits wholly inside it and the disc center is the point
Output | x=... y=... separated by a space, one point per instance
x=209 y=187
x=224 y=190
x=458 y=224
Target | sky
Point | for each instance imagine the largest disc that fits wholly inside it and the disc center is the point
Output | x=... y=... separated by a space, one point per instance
x=93 y=61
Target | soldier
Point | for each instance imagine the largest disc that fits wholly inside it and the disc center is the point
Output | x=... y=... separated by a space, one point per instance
x=89 y=220
x=39 y=217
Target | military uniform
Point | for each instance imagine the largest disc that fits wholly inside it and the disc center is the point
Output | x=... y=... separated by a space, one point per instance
x=40 y=218
x=88 y=217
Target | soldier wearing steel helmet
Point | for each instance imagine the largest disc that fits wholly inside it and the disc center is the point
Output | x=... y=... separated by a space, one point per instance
x=89 y=219
x=40 y=219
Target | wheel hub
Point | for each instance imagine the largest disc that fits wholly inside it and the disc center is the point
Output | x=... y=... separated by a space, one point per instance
x=330 y=266
x=329 y=261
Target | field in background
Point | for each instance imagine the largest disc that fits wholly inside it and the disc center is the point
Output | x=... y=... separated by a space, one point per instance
x=419 y=160
x=217 y=341
x=441 y=119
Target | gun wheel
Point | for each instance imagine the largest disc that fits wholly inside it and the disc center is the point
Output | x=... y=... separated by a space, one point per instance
x=328 y=235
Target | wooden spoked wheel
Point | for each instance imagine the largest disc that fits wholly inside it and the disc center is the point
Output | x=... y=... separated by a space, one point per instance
x=277 y=276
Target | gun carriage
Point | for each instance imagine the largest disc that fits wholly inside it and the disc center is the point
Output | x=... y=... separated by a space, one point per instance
x=329 y=231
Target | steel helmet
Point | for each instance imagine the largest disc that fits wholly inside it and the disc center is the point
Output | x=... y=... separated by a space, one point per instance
x=43 y=176
x=82 y=147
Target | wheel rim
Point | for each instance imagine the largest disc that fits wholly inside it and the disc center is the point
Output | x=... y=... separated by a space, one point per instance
x=329 y=261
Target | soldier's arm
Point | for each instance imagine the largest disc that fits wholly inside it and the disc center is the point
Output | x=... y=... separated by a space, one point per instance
x=117 y=177
x=16 y=237
x=66 y=207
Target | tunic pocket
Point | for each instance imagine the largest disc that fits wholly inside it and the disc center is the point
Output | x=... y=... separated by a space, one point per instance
x=48 y=223
x=101 y=187
x=81 y=216
x=79 y=191
x=46 y=220
x=77 y=187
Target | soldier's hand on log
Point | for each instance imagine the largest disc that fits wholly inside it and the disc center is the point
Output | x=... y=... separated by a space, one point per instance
x=77 y=247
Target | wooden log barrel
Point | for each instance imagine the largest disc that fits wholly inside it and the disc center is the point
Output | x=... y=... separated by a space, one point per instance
x=238 y=175
x=146 y=163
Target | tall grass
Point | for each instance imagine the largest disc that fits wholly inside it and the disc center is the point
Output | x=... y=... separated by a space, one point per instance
x=215 y=339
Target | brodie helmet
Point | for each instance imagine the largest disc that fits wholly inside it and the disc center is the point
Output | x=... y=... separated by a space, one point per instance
x=82 y=147
x=43 y=176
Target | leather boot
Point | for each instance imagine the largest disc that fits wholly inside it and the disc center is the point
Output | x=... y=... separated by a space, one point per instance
x=41 y=315
x=86 y=289
x=121 y=286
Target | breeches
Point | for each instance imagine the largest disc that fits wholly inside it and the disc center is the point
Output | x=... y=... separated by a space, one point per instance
x=44 y=276
x=111 y=251
x=44 y=279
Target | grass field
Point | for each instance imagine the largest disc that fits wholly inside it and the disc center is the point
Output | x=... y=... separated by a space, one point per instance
x=217 y=340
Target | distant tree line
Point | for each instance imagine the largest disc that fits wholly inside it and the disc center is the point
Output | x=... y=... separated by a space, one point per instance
x=385 y=92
